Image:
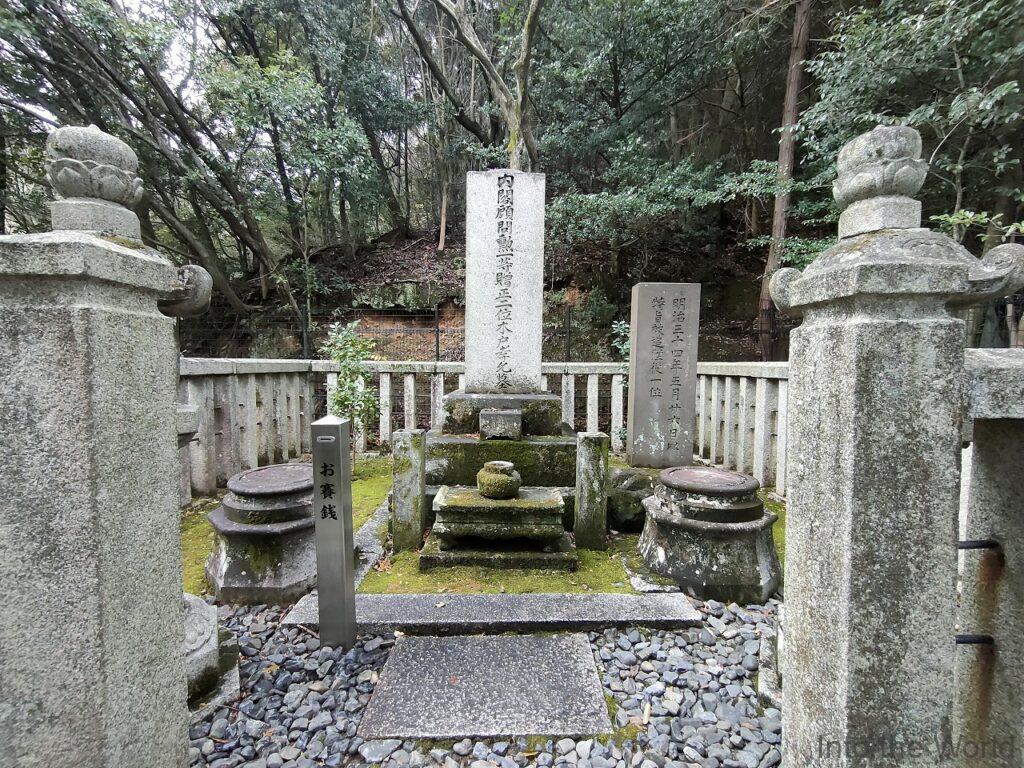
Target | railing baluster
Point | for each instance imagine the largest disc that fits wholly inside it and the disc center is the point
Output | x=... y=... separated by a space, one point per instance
x=409 y=397
x=714 y=455
x=617 y=440
x=569 y=399
x=592 y=402
x=360 y=426
x=436 y=400
x=702 y=414
x=385 y=407
x=780 y=438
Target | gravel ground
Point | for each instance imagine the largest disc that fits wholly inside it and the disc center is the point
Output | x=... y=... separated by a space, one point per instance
x=682 y=700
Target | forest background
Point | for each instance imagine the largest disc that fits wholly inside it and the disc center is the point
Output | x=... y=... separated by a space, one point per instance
x=311 y=154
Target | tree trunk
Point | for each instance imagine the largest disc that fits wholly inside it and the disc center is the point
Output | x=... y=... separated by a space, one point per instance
x=766 y=312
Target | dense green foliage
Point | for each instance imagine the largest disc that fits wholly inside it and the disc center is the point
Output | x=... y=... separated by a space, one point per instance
x=279 y=139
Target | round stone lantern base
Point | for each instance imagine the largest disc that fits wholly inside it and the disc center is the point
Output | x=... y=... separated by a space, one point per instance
x=707 y=530
x=265 y=550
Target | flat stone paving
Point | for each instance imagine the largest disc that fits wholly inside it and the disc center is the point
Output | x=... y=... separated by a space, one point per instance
x=454 y=614
x=479 y=686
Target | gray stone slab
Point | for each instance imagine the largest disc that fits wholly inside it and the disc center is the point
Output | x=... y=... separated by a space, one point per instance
x=664 y=321
x=453 y=614
x=483 y=686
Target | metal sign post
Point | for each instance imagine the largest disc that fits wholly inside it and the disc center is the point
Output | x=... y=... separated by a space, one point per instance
x=332 y=513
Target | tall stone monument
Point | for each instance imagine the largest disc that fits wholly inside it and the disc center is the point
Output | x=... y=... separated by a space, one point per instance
x=90 y=560
x=664 y=321
x=504 y=304
x=876 y=403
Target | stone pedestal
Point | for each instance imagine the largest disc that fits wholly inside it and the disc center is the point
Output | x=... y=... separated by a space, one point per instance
x=265 y=549
x=875 y=410
x=90 y=554
x=708 y=531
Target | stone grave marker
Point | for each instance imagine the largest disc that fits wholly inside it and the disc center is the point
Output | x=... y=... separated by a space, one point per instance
x=332 y=516
x=664 y=320
x=504 y=281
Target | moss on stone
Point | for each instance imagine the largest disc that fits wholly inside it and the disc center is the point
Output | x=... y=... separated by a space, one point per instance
x=196 y=544
x=471 y=498
x=598 y=572
x=125 y=242
x=620 y=734
x=371 y=481
x=543 y=461
x=774 y=505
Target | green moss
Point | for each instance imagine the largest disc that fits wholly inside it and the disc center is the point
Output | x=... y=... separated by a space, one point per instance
x=625 y=547
x=543 y=461
x=598 y=572
x=196 y=544
x=619 y=736
x=774 y=505
x=371 y=481
x=125 y=242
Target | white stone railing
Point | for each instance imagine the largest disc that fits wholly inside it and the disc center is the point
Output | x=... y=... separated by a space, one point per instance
x=257 y=411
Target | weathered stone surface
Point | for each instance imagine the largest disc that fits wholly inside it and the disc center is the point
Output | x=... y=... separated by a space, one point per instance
x=560 y=555
x=541 y=412
x=627 y=489
x=408 y=491
x=272 y=494
x=94 y=176
x=989 y=680
x=504 y=280
x=478 y=686
x=90 y=555
x=664 y=320
x=878 y=366
x=501 y=423
x=712 y=560
x=261 y=563
x=535 y=514
x=591 y=526
x=540 y=461
x=545 y=612
x=498 y=480
x=211 y=659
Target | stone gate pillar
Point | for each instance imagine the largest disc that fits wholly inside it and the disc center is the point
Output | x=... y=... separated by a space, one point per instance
x=875 y=409
x=90 y=560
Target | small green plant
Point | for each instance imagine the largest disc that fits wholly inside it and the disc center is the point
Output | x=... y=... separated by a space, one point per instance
x=620 y=338
x=351 y=399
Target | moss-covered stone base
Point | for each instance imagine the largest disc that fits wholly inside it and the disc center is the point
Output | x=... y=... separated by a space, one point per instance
x=540 y=461
x=499 y=554
x=541 y=412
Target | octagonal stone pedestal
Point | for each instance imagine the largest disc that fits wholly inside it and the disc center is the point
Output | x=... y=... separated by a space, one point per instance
x=708 y=531
x=265 y=550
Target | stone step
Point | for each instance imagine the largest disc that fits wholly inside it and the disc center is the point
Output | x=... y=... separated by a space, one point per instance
x=432 y=614
x=513 y=553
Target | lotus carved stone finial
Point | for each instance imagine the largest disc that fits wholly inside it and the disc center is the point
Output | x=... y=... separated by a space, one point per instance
x=95 y=179
x=879 y=174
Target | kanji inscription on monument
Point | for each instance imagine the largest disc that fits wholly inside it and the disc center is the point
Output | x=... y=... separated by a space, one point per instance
x=664 y=322
x=504 y=281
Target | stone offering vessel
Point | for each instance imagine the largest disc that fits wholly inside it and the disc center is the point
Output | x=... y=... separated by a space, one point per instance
x=498 y=480
x=708 y=531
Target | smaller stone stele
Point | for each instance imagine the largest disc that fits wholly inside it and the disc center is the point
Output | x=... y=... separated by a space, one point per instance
x=709 y=532
x=265 y=549
x=211 y=659
x=501 y=424
x=498 y=480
